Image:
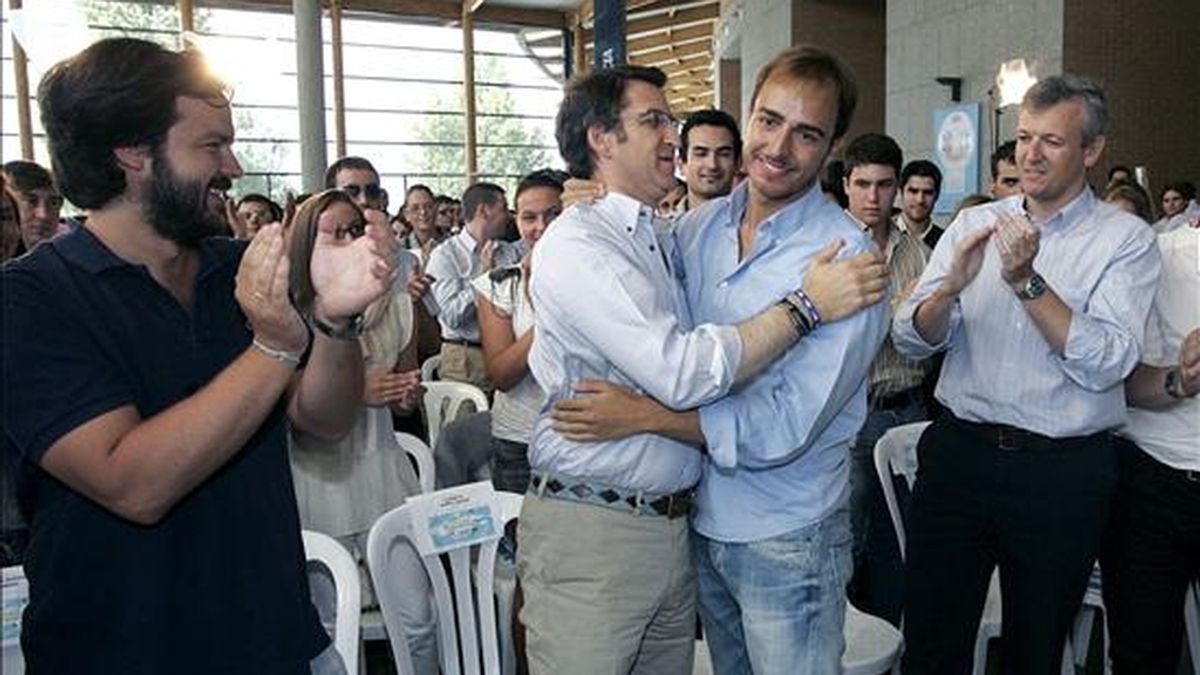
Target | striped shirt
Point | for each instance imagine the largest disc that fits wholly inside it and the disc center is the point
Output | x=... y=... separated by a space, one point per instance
x=891 y=372
x=1103 y=264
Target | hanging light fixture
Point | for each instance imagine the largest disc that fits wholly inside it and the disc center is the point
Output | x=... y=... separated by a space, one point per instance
x=1012 y=81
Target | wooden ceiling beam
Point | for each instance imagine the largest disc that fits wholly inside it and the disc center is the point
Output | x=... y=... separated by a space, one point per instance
x=686 y=104
x=669 y=54
x=702 y=62
x=657 y=22
x=688 y=81
x=690 y=89
x=667 y=37
x=641 y=7
x=450 y=12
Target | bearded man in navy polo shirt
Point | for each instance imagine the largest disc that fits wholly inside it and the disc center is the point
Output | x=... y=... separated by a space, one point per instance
x=147 y=371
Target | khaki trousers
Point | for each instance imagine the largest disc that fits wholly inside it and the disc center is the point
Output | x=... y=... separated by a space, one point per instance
x=606 y=592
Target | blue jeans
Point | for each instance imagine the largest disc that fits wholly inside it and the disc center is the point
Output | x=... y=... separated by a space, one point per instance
x=878 y=584
x=777 y=606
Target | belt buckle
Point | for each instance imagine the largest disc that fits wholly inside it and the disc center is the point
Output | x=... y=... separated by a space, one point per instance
x=1008 y=439
x=672 y=500
x=677 y=504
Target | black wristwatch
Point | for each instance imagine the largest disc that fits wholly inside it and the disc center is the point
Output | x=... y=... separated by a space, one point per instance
x=350 y=331
x=1033 y=288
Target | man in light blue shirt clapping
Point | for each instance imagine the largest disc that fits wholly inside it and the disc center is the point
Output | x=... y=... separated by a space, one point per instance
x=1040 y=303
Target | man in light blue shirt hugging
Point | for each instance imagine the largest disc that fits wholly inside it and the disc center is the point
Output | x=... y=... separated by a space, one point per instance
x=771 y=530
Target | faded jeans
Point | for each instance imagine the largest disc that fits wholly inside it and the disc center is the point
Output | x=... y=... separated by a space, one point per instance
x=776 y=606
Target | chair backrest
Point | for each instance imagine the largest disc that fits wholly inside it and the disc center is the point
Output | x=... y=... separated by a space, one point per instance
x=429 y=369
x=1191 y=622
x=896 y=454
x=466 y=616
x=15 y=594
x=422 y=455
x=444 y=402
x=327 y=551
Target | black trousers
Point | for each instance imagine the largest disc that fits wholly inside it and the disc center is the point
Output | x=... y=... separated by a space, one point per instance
x=985 y=497
x=1151 y=553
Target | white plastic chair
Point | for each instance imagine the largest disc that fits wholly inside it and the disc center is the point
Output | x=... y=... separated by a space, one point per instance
x=14 y=590
x=444 y=402
x=429 y=369
x=702 y=662
x=1191 y=623
x=422 y=455
x=1079 y=644
x=873 y=646
x=466 y=615
x=323 y=549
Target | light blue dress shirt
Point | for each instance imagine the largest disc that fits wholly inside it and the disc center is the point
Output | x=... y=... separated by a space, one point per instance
x=999 y=368
x=609 y=307
x=777 y=445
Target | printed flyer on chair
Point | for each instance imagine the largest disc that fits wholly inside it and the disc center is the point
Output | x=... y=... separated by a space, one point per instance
x=454 y=518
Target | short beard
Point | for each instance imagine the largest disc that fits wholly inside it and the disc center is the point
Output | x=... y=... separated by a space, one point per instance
x=178 y=208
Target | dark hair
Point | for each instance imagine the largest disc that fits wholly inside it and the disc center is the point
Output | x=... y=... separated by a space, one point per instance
x=1067 y=87
x=1119 y=167
x=11 y=215
x=926 y=169
x=417 y=187
x=1007 y=152
x=551 y=178
x=350 y=163
x=873 y=149
x=119 y=92
x=832 y=182
x=479 y=194
x=595 y=99
x=711 y=118
x=254 y=197
x=26 y=176
x=1134 y=194
x=805 y=62
x=1186 y=189
x=439 y=199
x=303 y=236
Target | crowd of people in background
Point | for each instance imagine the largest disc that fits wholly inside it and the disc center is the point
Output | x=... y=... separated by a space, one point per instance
x=705 y=324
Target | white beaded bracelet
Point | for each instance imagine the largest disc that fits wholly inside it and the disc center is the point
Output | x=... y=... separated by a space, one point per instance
x=290 y=359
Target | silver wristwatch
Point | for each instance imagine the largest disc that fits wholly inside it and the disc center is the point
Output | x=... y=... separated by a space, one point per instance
x=1033 y=289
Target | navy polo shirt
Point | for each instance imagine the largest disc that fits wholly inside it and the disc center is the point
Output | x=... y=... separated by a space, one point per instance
x=219 y=584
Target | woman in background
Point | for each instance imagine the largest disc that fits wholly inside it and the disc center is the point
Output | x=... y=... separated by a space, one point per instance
x=506 y=328
x=343 y=486
x=1130 y=198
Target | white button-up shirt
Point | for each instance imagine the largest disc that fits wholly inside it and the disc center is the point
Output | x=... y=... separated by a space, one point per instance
x=454 y=264
x=609 y=306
